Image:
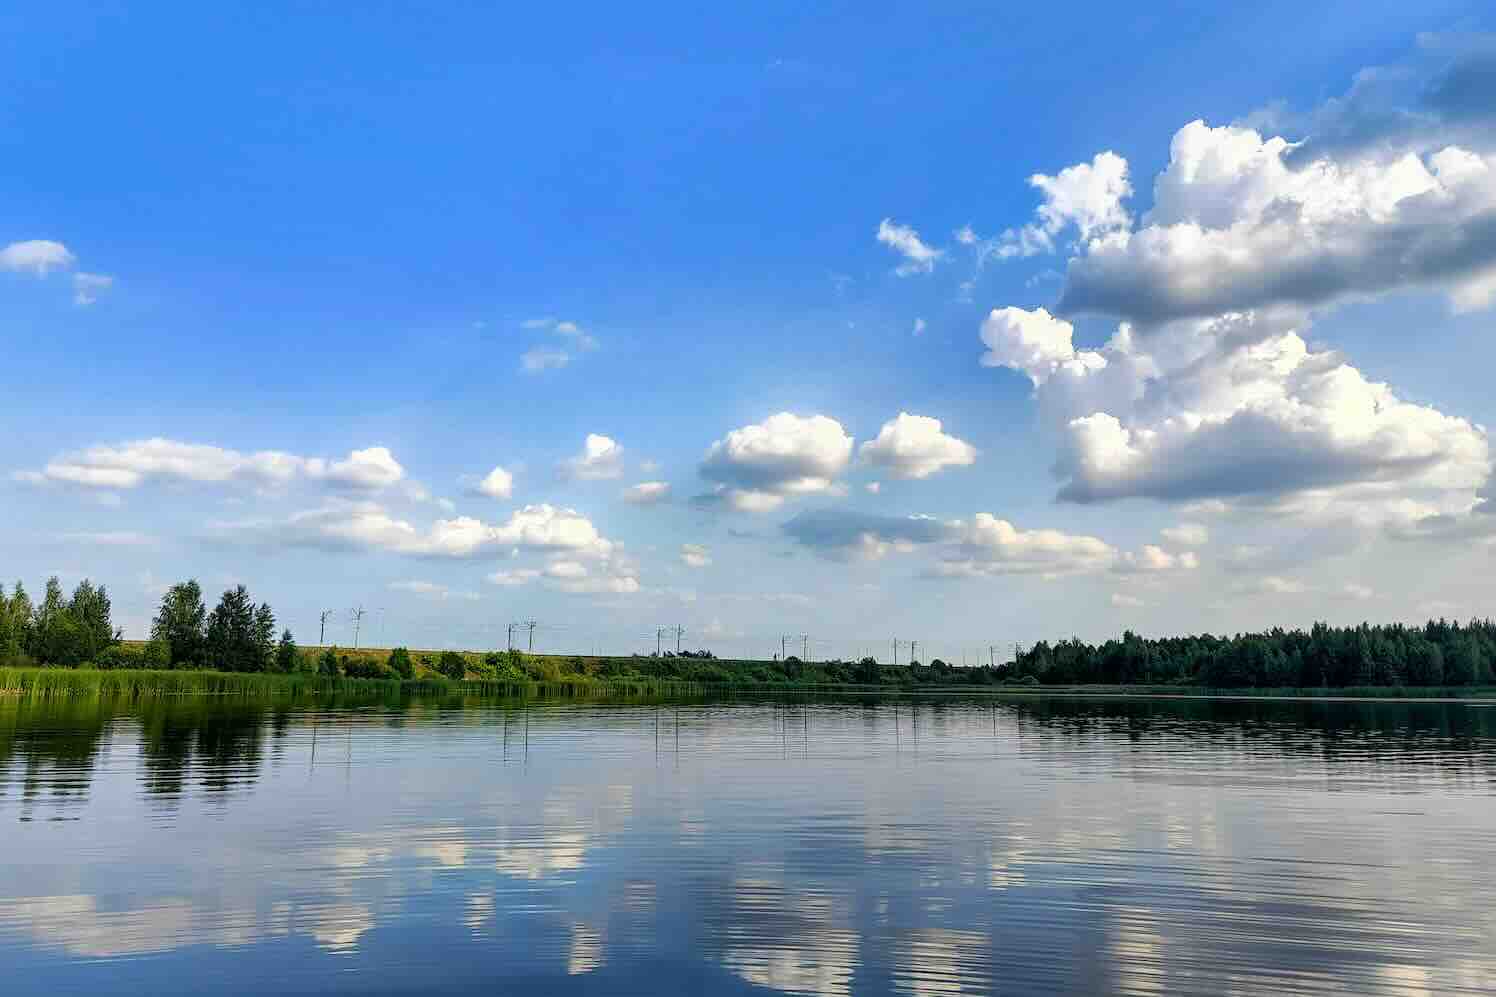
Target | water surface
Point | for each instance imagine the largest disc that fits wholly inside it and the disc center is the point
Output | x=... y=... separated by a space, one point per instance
x=748 y=847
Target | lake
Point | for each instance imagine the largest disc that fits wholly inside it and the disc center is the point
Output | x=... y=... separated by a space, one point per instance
x=827 y=846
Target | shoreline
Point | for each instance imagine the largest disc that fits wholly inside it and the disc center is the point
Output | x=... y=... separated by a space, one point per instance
x=66 y=682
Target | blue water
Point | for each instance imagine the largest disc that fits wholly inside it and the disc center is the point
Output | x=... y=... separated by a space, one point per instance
x=857 y=847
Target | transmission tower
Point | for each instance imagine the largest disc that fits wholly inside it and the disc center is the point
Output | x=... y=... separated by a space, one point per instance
x=322 y=634
x=531 y=625
x=680 y=632
x=358 y=621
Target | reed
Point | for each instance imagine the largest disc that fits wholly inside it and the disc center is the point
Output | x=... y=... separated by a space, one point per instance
x=141 y=683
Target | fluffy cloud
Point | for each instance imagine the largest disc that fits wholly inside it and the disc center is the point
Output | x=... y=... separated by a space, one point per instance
x=988 y=545
x=1036 y=343
x=756 y=467
x=918 y=257
x=1152 y=559
x=984 y=545
x=129 y=465
x=916 y=446
x=497 y=483
x=36 y=256
x=1235 y=227
x=346 y=526
x=647 y=493
x=1087 y=196
x=695 y=555
x=612 y=575
x=1231 y=408
x=601 y=458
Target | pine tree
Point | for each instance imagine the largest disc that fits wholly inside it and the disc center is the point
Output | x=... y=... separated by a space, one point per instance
x=263 y=638
x=285 y=653
x=231 y=632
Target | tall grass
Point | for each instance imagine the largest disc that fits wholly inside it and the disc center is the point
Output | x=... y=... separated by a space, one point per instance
x=140 y=683
x=137 y=683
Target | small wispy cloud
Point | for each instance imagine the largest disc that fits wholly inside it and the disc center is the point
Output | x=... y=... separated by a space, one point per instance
x=904 y=240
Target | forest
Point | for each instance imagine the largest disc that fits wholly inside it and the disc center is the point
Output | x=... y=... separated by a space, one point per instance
x=1439 y=653
x=239 y=635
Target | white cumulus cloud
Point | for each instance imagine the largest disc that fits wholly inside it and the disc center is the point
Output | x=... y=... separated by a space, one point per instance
x=129 y=465
x=498 y=483
x=756 y=467
x=916 y=446
x=37 y=256
x=601 y=459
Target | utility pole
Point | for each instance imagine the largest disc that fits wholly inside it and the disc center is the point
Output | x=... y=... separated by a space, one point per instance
x=510 y=645
x=322 y=634
x=782 y=639
x=896 y=643
x=992 y=656
x=358 y=620
x=912 y=645
x=530 y=624
x=680 y=632
x=805 y=647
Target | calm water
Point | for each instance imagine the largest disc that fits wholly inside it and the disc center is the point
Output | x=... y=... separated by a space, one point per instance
x=748 y=848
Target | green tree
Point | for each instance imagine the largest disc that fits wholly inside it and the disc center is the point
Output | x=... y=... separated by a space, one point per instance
x=327 y=662
x=231 y=636
x=90 y=610
x=1462 y=660
x=264 y=638
x=452 y=665
x=19 y=612
x=400 y=663
x=285 y=653
x=56 y=637
x=180 y=624
x=10 y=641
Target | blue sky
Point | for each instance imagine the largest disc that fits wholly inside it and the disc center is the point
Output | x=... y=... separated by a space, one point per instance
x=280 y=228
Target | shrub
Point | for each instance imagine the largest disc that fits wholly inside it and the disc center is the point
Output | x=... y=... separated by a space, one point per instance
x=327 y=662
x=157 y=654
x=120 y=656
x=400 y=663
x=452 y=665
x=363 y=668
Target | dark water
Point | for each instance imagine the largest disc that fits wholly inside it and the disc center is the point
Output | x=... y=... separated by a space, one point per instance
x=954 y=847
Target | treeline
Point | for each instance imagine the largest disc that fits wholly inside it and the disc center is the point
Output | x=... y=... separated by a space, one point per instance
x=1440 y=653
x=57 y=630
